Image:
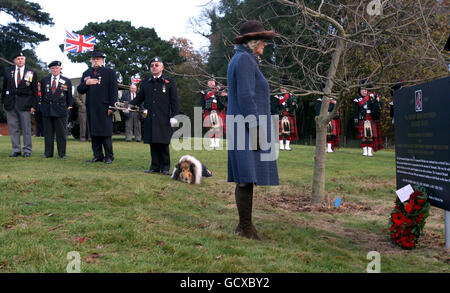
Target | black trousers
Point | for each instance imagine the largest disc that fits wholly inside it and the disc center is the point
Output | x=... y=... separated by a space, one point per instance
x=102 y=142
x=160 y=157
x=39 y=119
x=55 y=126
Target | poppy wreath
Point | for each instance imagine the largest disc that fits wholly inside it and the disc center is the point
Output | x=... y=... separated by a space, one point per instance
x=408 y=219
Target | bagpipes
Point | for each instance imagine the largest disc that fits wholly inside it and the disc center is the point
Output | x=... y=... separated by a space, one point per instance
x=126 y=107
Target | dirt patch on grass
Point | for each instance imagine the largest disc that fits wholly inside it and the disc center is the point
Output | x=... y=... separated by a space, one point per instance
x=298 y=201
x=302 y=203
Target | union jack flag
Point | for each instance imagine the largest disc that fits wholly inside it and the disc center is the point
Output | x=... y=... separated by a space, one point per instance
x=75 y=43
x=135 y=79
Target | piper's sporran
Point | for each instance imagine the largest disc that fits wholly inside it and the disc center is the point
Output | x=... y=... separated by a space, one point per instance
x=368 y=133
x=330 y=129
x=285 y=126
x=214 y=119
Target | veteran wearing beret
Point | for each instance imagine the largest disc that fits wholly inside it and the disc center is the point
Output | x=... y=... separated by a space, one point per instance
x=19 y=101
x=160 y=98
x=101 y=88
x=56 y=100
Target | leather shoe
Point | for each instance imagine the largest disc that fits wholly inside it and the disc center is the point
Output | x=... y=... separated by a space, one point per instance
x=12 y=155
x=165 y=172
x=93 y=160
x=108 y=161
x=150 y=171
x=62 y=157
x=26 y=155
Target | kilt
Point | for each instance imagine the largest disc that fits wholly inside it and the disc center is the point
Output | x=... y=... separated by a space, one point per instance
x=293 y=135
x=377 y=138
x=218 y=131
x=378 y=141
x=335 y=138
x=373 y=126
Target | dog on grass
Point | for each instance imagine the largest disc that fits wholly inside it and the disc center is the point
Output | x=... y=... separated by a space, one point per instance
x=190 y=170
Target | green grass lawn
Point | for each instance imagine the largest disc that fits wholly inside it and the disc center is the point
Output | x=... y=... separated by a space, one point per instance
x=120 y=219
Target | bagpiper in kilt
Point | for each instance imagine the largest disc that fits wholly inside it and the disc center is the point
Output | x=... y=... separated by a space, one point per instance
x=334 y=126
x=285 y=106
x=213 y=101
x=367 y=119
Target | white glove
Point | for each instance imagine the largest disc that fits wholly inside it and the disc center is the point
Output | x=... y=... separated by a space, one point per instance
x=173 y=122
x=126 y=111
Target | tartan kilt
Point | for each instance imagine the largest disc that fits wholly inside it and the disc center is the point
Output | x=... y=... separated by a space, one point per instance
x=293 y=134
x=222 y=116
x=377 y=138
x=373 y=125
x=378 y=141
x=335 y=139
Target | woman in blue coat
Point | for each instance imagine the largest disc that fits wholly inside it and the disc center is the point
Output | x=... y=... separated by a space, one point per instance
x=251 y=143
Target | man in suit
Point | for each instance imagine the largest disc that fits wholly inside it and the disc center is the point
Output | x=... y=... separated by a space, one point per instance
x=160 y=98
x=101 y=88
x=19 y=100
x=56 y=91
x=132 y=119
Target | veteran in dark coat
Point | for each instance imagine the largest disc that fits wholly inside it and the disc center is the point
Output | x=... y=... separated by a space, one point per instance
x=160 y=98
x=249 y=96
x=101 y=88
x=19 y=100
x=56 y=101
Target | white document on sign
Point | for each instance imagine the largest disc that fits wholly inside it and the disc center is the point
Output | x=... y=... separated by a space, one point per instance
x=405 y=192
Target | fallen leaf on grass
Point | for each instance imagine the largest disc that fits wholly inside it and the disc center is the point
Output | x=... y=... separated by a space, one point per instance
x=3 y=264
x=86 y=214
x=30 y=203
x=80 y=240
x=218 y=257
x=160 y=243
x=50 y=215
x=54 y=228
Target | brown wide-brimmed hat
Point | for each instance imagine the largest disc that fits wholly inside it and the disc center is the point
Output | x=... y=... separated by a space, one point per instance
x=253 y=30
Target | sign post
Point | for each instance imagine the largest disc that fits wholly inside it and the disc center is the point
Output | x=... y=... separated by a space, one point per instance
x=422 y=141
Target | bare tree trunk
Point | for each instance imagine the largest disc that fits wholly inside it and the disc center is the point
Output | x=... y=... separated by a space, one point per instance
x=318 y=188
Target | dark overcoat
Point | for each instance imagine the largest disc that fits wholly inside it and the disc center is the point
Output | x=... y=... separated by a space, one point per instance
x=98 y=99
x=249 y=96
x=160 y=98
x=25 y=96
x=56 y=104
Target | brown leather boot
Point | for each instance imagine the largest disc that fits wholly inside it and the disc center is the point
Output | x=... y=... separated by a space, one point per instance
x=244 y=203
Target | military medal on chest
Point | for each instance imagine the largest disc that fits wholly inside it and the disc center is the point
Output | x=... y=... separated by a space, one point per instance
x=47 y=87
x=99 y=80
x=29 y=77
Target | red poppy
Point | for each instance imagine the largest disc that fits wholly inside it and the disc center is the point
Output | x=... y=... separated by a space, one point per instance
x=409 y=207
x=398 y=218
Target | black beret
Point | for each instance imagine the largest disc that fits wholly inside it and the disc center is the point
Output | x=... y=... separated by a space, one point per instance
x=156 y=59
x=54 y=63
x=98 y=53
x=18 y=54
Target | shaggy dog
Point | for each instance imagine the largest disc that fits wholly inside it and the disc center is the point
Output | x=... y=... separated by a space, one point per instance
x=190 y=170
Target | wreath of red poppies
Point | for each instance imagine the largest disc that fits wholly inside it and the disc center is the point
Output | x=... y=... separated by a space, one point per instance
x=408 y=219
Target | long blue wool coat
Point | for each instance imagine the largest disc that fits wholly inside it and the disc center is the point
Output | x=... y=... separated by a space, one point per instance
x=248 y=94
